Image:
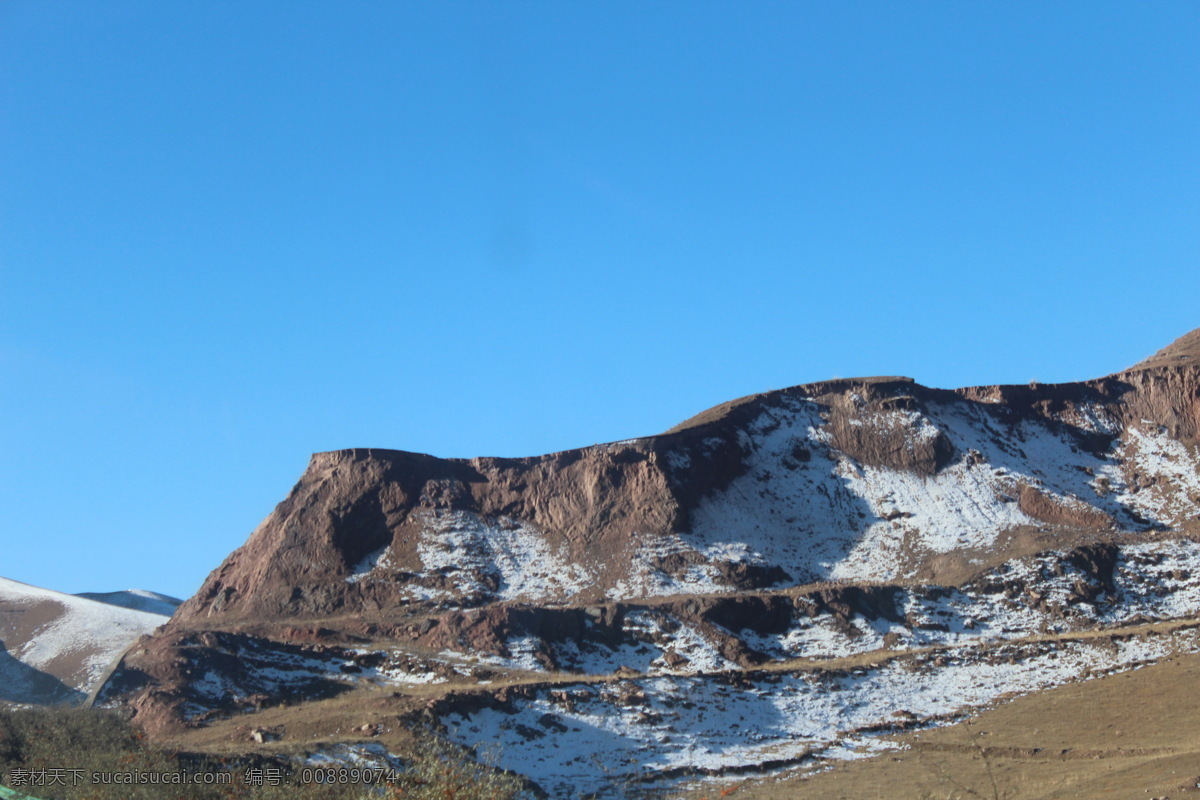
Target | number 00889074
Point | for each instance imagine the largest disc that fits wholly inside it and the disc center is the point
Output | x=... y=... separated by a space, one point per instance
x=348 y=775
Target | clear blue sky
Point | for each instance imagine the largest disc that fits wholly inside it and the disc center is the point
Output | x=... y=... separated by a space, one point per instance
x=233 y=234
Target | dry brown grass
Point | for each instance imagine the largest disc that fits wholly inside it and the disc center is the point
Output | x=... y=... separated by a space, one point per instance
x=1129 y=735
x=74 y=750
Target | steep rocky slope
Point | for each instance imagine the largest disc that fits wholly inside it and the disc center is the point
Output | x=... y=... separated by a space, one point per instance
x=778 y=581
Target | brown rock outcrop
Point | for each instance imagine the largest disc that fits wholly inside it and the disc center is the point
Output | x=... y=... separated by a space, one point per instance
x=353 y=502
x=1167 y=395
x=1061 y=511
x=880 y=428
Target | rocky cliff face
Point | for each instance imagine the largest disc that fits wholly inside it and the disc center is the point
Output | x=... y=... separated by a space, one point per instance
x=865 y=479
x=845 y=517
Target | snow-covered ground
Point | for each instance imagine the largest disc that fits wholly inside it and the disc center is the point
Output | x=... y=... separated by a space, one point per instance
x=689 y=710
x=588 y=738
x=1024 y=626
x=652 y=642
x=1157 y=580
x=1024 y=597
x=362 y=755
x=674 y=700
x=817 y=513
x=1173 y=469
x=248 y=672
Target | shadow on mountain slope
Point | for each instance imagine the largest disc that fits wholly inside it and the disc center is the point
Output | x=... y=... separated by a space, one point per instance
x=21 y=683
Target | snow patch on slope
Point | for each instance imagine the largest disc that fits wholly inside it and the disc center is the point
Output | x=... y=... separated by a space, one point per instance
x=464 y=555
x=1044 y=594
x=371 y=565
x=1048 y=593
x=1170 y=471
x=963 y=506
x=853 y=521
x=645 y=579
x=515 y=555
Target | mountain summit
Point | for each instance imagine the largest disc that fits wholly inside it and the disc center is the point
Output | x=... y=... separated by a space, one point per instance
x=1183 y=352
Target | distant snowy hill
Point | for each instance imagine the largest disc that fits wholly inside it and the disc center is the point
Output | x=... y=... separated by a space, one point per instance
x=138 y=600
x=56 y=647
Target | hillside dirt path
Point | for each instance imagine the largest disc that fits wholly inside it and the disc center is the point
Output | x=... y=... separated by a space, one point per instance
x=873 y=658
